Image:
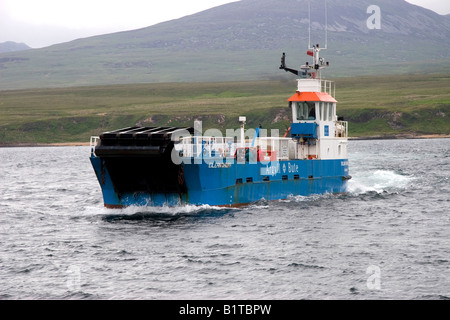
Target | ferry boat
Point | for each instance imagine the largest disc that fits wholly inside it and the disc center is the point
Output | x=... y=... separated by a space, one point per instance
x=173 y=166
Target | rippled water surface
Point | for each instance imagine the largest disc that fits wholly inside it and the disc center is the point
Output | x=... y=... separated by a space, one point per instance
x=388 y=238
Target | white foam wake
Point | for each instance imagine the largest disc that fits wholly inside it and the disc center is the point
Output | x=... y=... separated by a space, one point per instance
x=378 y=181
x=168 y=210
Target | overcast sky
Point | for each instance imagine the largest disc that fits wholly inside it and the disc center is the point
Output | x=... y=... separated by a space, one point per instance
x=40 y=23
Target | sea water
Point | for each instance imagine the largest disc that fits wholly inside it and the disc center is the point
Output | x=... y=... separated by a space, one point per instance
x=387 y=238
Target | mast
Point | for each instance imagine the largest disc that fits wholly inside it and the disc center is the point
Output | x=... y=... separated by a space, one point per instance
x=318 y=61
x=313 y=71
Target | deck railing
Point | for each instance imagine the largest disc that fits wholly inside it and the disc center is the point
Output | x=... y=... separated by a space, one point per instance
x=194 y=147
x=328 y=87
x=316 y=85
x=93 y=144
x=224 y=147
x=341 y=129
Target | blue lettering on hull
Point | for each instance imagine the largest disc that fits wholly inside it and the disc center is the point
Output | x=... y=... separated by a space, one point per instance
x=234 y=184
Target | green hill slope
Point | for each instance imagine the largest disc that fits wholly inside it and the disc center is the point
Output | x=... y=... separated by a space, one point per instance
x=374 y=106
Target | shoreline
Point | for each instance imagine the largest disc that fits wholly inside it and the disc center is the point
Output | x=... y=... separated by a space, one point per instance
x=403 y=136
x=37 y=145
x=86 y=144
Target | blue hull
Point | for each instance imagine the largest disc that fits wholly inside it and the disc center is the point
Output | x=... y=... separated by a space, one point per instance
x=234 y=184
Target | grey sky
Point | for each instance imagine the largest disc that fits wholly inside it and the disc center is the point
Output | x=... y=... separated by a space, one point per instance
x=46 y=22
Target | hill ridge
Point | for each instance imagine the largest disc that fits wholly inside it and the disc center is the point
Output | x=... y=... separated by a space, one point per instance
x=242 y=41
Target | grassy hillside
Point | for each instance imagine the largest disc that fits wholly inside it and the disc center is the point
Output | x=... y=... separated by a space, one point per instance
x=379 y=106
x=398 y=105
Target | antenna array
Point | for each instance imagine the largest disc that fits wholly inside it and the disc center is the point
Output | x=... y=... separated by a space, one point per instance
x=326 y=26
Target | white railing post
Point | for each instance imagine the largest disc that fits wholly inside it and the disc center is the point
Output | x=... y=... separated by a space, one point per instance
x=93 y=144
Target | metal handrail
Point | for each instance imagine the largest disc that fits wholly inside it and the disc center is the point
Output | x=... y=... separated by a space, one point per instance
x=328 y=87
x=93 y=143
x=344 y=131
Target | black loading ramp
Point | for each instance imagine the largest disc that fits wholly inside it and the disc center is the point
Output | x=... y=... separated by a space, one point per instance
x=138 y=159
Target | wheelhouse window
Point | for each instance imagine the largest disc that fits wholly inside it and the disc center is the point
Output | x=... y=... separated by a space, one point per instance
x=305 y=111
x=326 y=111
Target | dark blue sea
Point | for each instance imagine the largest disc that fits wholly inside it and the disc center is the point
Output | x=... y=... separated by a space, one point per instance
x=388 y=238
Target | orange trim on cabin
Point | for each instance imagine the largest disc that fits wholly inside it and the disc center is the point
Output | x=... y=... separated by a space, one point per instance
x=312 y=96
